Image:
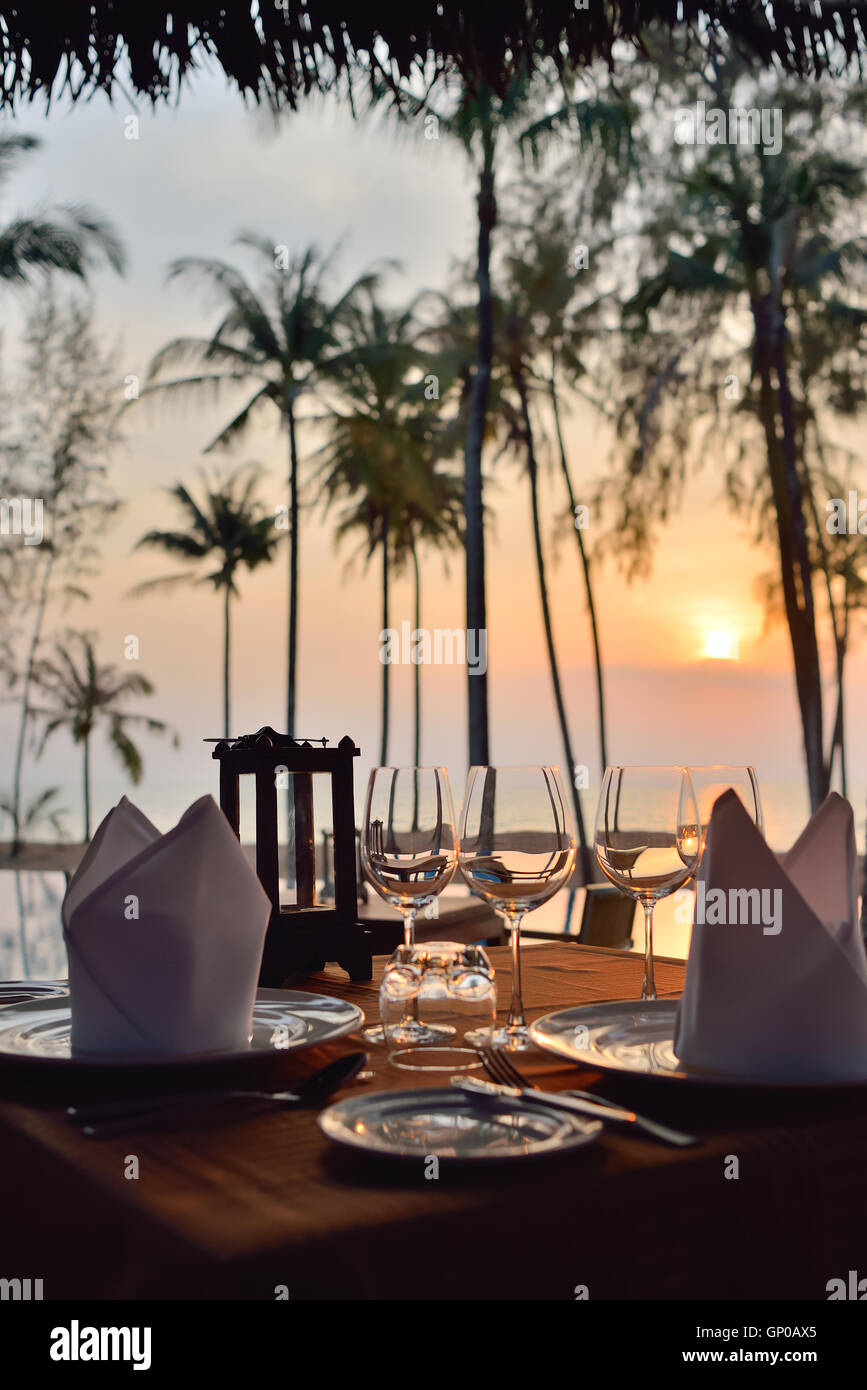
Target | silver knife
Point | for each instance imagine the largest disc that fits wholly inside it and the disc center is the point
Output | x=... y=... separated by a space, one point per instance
x=474 y=1085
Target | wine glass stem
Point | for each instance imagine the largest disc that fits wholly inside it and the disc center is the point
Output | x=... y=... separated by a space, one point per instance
x=409 y=916
x=516 y=1005
x=648 y=989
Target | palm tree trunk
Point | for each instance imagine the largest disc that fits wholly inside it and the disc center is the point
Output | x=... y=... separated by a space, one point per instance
x=473 y=504
x=226 y=660
x=839 y=631
x=837 y=739
x=864 y=901
x=588 y=586
x=841 y=712
x=22 y=926
x=812 y=674
x=25 y=700
x=86 y=786
x=416 y=742
x=383 y=743
x=532 y=472
x=293 y=569
x=838 y=736
x=791 y=536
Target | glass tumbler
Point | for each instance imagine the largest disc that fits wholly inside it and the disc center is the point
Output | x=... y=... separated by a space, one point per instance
x=447 y=988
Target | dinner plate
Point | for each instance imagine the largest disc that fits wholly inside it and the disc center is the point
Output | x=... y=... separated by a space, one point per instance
x=19 y=991
x=636 y=1038
x=38 y=1030
x=446 y=1123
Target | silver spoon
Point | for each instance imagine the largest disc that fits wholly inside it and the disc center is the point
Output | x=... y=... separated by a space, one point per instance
x=114 y=1117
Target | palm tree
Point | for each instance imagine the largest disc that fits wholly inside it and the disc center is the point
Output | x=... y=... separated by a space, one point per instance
x=69 y=239
x=431 y=518
x=474 y=116
x=275 y=339
x=481 y=119
x=541 y=273
x=229 y=528
x=42 y=810
x=766 y=237
x=518 y=349
x=382 y=441
x=65 y=439
x=370 y=517
x=838 y=560
x=82 y=696
x=842 y=567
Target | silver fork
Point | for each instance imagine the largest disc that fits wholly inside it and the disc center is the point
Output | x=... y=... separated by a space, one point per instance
x=501 y=1069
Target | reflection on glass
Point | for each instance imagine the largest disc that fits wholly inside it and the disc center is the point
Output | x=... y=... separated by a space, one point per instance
x=709 y=784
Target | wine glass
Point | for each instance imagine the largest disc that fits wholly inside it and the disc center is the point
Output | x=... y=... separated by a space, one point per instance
x=408 y=851
x=647 y=839
x=516 y=850
x=709 y=784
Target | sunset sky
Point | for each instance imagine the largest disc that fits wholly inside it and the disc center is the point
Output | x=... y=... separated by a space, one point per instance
x=198 y=174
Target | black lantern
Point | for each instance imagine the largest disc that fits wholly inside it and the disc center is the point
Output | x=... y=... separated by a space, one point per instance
x=313 y=920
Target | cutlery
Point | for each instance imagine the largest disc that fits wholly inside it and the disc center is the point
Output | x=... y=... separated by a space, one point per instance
x=475 y=1086
x=506 y=1073
x=113 y=1117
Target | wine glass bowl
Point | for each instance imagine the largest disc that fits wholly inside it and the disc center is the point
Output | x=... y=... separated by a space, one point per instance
x=407 y=879
x=408 y=843
x=711 y=781
x=647 y=839
x=527 y=881
x=516 y=851
x=409 y=849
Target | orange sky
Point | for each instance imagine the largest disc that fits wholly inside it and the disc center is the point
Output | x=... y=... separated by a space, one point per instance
x=197 y=176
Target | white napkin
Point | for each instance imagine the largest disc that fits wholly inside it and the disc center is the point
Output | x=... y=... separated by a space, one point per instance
x=164 y=935
x=784 y=999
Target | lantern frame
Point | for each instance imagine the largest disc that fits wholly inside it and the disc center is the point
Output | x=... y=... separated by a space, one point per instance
x=305 y=936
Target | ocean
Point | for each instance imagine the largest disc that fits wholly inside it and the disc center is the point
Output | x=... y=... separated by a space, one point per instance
x=31 y=942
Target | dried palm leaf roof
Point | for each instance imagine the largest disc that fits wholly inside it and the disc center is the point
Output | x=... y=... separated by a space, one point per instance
x=282 y=49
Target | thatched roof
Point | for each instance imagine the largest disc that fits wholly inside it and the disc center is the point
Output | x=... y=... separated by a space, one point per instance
x=285 y=48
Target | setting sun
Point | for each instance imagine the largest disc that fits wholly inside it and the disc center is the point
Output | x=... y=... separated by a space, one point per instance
x=721 y=646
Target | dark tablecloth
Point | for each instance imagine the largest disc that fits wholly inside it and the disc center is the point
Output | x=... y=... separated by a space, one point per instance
x=236 y=1200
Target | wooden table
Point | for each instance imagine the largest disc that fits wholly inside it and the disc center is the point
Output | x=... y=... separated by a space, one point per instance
x=237 y=1201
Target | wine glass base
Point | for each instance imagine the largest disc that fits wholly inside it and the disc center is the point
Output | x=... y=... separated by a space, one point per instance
x=438 y=1057
x=514 y=1039
x=410 y=1033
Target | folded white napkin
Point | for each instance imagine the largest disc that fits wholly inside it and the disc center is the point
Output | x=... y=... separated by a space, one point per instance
x=164 y=935
x=784 y=997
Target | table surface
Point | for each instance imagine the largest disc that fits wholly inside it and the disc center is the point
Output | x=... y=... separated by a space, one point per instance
x=237 y=1201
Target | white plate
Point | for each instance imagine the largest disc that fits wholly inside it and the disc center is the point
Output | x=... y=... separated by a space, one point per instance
x=636 y=1038
x=37 y=1030
x=19 y=991
x=446 y=1123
